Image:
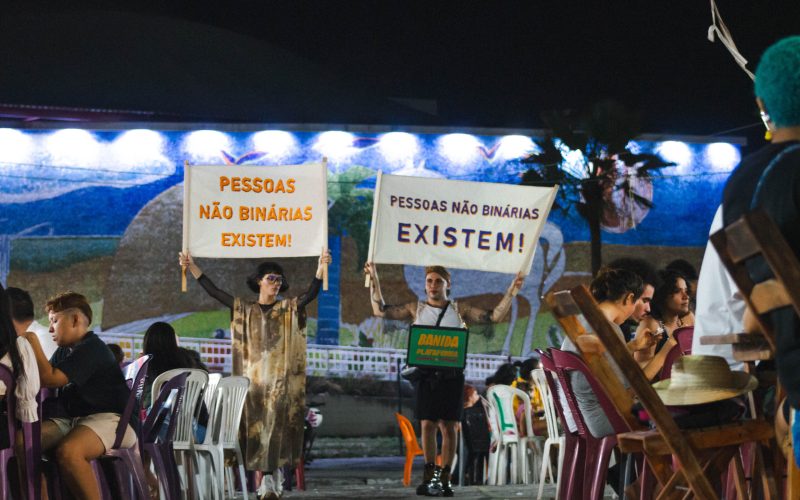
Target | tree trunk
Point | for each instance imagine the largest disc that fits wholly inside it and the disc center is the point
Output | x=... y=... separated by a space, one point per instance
x=595 y=238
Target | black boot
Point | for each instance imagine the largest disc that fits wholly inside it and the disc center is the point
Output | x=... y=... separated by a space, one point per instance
x=431 y=484
x=447 y=486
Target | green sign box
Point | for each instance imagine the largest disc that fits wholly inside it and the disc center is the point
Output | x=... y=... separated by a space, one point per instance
x=437 y=346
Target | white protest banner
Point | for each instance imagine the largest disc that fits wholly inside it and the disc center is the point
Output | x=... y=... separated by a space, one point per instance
x=460 y=224
x=245 y=211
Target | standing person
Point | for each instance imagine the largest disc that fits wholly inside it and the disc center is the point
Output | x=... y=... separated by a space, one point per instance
x=440 y=392
x=269 y=347
x=22 y=316
x=93 y=393
x=769 y=179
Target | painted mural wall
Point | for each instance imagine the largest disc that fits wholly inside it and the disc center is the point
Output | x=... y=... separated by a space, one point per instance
x=99 y=212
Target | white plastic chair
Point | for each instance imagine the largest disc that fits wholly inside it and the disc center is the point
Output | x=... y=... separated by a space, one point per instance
x=184 y=442
x=223 y=435
x=554 y=438
x=208 y=396
x=501 y=397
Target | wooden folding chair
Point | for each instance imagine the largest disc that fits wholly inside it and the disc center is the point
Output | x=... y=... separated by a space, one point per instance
x=755 y=235
x=701 y=453
x=566 y=311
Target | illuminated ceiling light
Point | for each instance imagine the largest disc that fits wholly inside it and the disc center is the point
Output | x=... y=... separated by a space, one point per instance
x=398 y=146
x=15 y=146
x=513 y=147
x=335 y=144
x=207 y=145
x=139 y=146
x=676 y=152
x=73 y=147
x=459 y=148
x=277 y=144
x=722 y=156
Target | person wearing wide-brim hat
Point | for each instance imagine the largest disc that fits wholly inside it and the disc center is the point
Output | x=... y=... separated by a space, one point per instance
x=269 y=348
x=703 y=379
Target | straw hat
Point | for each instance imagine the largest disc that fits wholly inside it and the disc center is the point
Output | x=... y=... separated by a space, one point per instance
x=703 y=379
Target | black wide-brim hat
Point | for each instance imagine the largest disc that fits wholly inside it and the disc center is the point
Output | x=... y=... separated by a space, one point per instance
x=263 y=269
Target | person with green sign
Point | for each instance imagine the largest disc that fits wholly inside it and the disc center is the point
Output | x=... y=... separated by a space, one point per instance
x=439 y=391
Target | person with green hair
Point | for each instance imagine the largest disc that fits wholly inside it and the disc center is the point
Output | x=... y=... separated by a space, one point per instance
x=770 y=180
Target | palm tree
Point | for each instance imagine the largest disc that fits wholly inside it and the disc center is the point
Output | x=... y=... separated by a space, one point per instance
x=590 y=156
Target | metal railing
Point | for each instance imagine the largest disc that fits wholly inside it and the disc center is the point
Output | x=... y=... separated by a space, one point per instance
x=322 y=361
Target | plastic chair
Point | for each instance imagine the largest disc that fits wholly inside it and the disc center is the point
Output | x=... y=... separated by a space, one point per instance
x=412 y=446
x=211 y=387
x=31 y=436
x=673 y=354
x=571 y=456
x=554 y=438
x=223 y=435
x=501 y=399
x=683 y=336
x=159 y=446
x=184 y=441
x=598 y=450
x=126 y=462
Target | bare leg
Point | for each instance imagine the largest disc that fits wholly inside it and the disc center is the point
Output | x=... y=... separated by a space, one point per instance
x=73 y=455
x=429 y=428
x=448 y=429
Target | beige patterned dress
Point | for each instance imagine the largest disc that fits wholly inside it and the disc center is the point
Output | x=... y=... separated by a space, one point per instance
x=269 y=348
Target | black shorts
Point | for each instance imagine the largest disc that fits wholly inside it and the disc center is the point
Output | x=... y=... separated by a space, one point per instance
x=440 y=396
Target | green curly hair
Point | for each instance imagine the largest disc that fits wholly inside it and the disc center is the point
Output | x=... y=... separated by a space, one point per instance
x=778 y=81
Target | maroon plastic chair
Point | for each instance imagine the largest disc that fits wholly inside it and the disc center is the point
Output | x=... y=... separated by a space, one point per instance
x=158 y=446
x=126 y=462
x=683 y=336
x=598 y=450
x=673 y=354
x=570 y=485
x=31 y=437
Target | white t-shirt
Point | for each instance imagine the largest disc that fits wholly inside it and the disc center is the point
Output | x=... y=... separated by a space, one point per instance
x=27 y=384
x=428 y=314
x=720 y=305
x=49 y=345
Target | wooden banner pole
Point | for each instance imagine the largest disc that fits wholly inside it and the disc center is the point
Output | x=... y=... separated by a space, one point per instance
x=374 y=227
x=186 y=208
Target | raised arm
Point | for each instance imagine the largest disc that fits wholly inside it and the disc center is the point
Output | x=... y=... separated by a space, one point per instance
x=313 y=289
x=185 y=259
x=475 y=315
x=49 y=376
x=404 y=312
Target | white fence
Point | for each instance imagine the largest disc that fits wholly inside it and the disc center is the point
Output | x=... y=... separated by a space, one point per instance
x=323 y=361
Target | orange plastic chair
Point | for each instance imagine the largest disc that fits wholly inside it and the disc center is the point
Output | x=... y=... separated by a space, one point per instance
x=412 y=446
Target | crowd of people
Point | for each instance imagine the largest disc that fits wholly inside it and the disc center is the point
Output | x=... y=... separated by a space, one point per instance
x=645 y=307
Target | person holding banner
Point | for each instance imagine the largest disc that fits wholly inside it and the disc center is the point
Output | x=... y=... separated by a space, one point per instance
x=269 y=347
x=440 y=392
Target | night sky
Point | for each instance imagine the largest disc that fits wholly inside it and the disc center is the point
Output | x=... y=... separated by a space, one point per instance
x=485 y=63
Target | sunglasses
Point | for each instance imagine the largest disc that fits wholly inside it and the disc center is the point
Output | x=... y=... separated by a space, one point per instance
x=274 y=278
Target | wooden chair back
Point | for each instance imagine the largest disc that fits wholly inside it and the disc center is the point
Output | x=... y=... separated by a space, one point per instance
x=672 y=437
x=754 y=235
x=567 y=313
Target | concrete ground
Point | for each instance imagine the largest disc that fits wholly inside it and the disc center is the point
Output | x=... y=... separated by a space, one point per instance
x=381 y=477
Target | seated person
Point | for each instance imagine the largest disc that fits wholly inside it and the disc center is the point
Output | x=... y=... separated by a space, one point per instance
x=669 y=310
x=92 y=394
x=161 y=342
x=16 y=354
x=618 y=291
